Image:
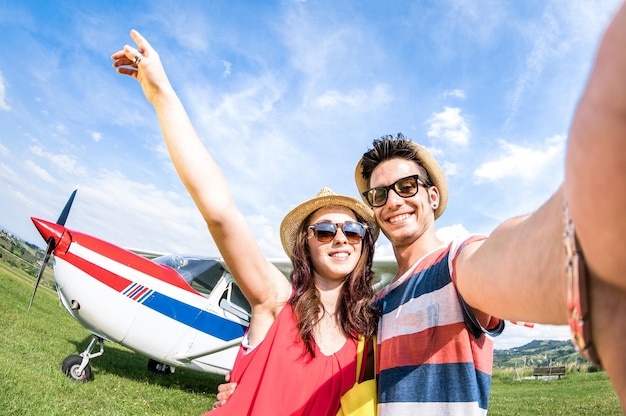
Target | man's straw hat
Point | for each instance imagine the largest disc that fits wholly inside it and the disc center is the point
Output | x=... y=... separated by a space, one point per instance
x=429 y=163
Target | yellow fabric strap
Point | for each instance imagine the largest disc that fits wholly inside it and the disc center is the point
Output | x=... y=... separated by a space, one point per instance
x=360 y=347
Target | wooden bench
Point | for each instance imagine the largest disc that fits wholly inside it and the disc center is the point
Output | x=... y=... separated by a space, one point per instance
x=549 y=371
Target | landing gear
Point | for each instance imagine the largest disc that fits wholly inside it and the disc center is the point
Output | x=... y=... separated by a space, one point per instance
x=77 y=367
x=160 y=368
x=71 y=367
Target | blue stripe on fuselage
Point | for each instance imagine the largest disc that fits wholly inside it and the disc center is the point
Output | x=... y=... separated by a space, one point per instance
x=195 y=318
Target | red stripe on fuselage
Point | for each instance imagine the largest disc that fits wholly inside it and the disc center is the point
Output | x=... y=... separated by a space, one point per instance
x=102 y=275
x=122 y=256
x=138 y=295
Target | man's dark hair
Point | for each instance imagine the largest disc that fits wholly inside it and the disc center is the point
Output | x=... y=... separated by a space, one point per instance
x=389 y=147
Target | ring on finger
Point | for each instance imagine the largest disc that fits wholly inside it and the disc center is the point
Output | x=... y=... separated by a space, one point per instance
x=137 y=58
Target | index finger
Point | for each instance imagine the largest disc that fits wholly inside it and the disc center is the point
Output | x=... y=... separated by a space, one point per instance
x=142 y=43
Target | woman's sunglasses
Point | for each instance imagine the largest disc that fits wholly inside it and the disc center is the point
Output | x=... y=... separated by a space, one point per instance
x=325 y=232
x=405 y=187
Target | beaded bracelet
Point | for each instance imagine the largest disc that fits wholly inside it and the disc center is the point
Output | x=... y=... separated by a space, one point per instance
x=578 y=298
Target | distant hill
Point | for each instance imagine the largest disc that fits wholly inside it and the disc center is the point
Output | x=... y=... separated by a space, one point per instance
x=19 y=254
x=15 y=248
x=538 y=353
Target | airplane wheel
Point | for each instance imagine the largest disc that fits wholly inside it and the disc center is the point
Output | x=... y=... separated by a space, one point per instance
x=160 y=368
x=70 y=367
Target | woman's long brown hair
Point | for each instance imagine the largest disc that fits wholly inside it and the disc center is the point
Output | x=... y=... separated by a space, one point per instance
x=355 y=314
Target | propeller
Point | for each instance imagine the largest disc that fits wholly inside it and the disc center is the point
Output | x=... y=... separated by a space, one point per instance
x=51 y=244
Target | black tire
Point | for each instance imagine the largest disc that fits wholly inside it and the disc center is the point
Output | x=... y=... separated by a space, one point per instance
x=159 y=368
x=70 y=368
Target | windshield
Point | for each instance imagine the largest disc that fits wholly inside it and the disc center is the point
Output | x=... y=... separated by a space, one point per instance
x=201 y=273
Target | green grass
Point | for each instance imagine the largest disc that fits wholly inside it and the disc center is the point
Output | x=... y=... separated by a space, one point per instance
x=578 y=393
x=34 y=345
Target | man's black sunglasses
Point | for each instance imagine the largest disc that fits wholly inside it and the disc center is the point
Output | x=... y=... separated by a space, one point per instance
x=405 y=187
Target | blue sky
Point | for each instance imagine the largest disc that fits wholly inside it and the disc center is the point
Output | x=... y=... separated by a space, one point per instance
x=287 y=95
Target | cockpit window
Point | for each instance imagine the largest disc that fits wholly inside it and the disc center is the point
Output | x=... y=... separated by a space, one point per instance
x=237 y=297
x=200 y=273
x=235 y=302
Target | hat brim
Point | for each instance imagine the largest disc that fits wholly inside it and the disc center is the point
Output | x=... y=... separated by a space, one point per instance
x=292 y=221
x=429 y=163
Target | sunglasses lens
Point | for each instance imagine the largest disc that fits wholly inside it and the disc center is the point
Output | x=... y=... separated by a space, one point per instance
x=406 y=187
x=377 y=197
x=325 y=232
x=354 y=231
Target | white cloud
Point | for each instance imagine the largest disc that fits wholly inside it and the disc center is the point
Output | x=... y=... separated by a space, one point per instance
x=250 y=103
x=3 y=150
x=523 y=162
x=60 y=128
x=3 y=102
x=335 y=99
x=450 y=169
x=383 y=248
x=542 y=47
x=559 y=35
x=64 y=162
x=37 y=150
x=356 y=98
x=67 y=164
x=380 y=95
x=189 y=26
x=37 y=170
x=451 y=232
x=227 y=68
x=7 y=172
x=449 y=126
x=267 y=234
x=96 y=136
x=517 y=335
x=125 y=212
x=456 y=93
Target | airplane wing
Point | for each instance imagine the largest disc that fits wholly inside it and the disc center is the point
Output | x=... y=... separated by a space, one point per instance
x=385 y=267
x=149 y=254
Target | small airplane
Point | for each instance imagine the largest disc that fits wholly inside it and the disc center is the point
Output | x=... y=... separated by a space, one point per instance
x=180 y=311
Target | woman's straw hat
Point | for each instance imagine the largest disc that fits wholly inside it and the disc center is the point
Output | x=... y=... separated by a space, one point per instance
x=428 y=162
x=324 y=198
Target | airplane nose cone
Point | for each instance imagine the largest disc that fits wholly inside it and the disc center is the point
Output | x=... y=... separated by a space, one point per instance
x=49 y=229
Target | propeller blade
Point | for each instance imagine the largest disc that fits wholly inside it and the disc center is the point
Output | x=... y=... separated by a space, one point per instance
x=52 y=244
x=66 y=209
x=41 y=270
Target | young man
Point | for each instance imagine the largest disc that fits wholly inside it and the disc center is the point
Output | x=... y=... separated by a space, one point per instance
x=433 y=355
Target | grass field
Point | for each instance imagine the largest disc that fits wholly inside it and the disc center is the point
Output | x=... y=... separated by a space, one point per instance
x=34 y=345
x=574 y=394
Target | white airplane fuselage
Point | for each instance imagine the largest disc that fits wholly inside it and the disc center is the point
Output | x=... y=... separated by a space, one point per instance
x=145 y=306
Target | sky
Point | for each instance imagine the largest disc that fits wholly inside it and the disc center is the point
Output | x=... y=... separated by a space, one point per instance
x=287 y=95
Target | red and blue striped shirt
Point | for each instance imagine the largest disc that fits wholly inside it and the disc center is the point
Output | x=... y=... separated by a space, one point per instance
x=433 y=356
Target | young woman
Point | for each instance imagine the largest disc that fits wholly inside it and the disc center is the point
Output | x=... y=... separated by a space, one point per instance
x=298 y=356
